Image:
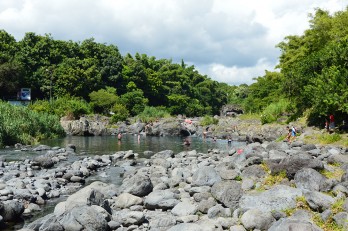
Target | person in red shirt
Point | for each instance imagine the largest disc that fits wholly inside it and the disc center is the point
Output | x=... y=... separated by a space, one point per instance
x=332 y=122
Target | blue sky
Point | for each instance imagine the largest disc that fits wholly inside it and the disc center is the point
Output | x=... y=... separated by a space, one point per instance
x=230 y=41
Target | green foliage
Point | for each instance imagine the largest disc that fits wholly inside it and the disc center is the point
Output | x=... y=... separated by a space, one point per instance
x=153 y=113
x=134 y=101
x=329 y=138
x=335 y=173
x=21 y=125
x=315 y=67
x=274 y=179
x=273 y=111
x=103 y=99
x=65 y=106
x=208 y=120
x=120 y=113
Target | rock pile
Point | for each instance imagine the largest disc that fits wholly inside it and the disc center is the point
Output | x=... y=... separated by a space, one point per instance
x=268 y=186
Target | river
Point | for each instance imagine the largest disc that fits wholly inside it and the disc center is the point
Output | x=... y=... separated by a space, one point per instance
x=107 y=145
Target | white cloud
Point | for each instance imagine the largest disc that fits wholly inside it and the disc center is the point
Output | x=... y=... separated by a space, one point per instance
x=231 y=41
x=238 y=75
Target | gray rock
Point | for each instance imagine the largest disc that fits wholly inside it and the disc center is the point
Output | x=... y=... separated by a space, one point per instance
x=237 y=228
x=11 y=210
x=257 y=219
x=161 y=200
x=126 y=200
x=128 y=218
x=308 y=147
x=293 y=164
x=300 y=221
x=310 y=179
x=164 y=154
x=277 y=198
x=228 y=193
x=188 y=227
x=184 y=209
x=88 y=217
x=248 y=184
x=218 y=211
x=205 y=205
x=89 y=195
x=341 y=219
x=138 y=185
x=113 y=225
x=205 y=176
x=162 y=221
x=253 y=172
x=339 y=158
x=44 y=161
x=276 y=154
x=318 y=201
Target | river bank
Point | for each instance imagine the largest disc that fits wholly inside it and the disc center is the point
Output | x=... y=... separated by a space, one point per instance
x=268 y=186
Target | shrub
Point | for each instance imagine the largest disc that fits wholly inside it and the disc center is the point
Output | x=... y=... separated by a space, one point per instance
x=120 y=113
x=65 y=106
x=208 y=120
x=273 y=111
x=103 y=100
x=21 y=125
x=153 y=113
x=329 y=138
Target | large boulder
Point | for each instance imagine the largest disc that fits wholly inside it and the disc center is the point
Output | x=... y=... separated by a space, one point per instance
x=228 y=193
x=310 y=179
x=256 y=219
x=293 y=164
x=137 y=185
x=205 y=176
x=89 y=195
x=277 y=198
x=161 y=199
x=11 y=210
x=78 y=218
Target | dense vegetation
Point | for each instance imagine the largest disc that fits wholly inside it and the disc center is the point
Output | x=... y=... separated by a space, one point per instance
x=95 y=78
x=98 y=73
x=22 y=125
x=313 y=77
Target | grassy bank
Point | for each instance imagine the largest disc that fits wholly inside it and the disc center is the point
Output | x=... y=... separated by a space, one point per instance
x=21 y=125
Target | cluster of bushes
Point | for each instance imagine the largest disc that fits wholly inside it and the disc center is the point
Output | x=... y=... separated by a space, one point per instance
x=22 y=125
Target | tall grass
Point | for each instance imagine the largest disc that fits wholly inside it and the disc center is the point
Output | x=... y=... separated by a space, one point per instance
x=273 y=111
x=21 y=125
x=64 y=106
x=153 y=113
x=208 y=120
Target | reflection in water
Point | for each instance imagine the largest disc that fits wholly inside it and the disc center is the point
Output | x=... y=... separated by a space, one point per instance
x=107 y=145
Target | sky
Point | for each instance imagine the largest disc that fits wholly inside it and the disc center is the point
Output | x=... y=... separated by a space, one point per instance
x=230 y=41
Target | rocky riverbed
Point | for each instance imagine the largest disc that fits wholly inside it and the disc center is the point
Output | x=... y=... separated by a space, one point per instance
x=259 y=186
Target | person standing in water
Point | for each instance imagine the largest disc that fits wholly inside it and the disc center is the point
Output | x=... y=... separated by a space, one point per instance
x=119 y=136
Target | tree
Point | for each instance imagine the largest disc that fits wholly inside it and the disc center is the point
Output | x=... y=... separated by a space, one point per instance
x=103 y=100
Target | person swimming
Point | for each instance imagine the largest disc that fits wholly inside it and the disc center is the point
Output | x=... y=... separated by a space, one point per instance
x=229 y=140
x=187 y=141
